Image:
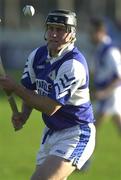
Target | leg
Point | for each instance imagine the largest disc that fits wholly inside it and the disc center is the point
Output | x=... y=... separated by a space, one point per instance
x=62 y=145
x=53 y=168
x=117 y=120
x=99 y=119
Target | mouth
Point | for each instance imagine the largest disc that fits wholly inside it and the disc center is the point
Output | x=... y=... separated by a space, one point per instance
x=54 y=42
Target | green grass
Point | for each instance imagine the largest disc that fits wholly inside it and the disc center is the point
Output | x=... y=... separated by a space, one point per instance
x=18 y=149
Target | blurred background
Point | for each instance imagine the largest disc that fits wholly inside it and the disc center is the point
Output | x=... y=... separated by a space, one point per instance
x=19 y=35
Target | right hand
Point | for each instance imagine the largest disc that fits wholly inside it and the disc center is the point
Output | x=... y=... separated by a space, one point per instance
x=8 y=84
x=18 y=120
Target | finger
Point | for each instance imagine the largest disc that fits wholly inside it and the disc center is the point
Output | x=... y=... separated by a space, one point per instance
x=17 y=123
x=18 y=128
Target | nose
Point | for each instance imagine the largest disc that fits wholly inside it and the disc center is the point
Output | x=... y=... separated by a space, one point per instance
x=54 y=33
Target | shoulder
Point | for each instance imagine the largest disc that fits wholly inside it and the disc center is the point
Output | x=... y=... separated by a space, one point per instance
x=77 y=54
x=72 y=67
x=76 y=57
x=36 y=53
x=42 y=48
x=74 y=62
x=32 y=54
x=114 y=54
x=30 y=58
x=38 y=50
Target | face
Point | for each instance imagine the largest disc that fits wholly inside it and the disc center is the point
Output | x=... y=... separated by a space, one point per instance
x=97 y=35
x=57 y=37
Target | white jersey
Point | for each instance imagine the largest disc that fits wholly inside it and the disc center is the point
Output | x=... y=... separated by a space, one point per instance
x=108 y=69
x=108 y=65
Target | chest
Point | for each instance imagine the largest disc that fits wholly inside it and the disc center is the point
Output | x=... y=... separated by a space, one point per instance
x=45 y=73
x=46 y=70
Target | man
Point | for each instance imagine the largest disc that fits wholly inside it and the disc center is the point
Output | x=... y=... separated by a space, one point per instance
x=107 y=75
x=55 y=82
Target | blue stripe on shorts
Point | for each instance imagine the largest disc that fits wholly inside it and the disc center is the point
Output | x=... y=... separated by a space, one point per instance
x=84 y=139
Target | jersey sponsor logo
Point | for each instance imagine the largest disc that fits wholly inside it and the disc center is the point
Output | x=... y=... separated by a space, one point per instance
x=43 y=87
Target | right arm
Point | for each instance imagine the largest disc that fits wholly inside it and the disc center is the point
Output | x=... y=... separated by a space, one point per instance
x=20 y=119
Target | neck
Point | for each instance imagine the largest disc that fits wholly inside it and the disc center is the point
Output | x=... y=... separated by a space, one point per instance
x=53 y=53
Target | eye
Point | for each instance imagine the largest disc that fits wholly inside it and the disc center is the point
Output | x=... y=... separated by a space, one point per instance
x=50 y=28
x=56 y=28
x=61 y=29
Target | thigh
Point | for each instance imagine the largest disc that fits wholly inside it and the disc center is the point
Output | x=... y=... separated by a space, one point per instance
x=74 y=144
x=53 y=168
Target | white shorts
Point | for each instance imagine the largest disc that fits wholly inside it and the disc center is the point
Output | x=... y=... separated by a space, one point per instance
x=75 y=144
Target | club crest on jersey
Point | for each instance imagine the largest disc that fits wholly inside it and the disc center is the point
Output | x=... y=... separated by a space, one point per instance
x=52 y=75
x=43 y=87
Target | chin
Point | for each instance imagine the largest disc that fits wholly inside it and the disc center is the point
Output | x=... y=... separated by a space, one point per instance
x=54 y=47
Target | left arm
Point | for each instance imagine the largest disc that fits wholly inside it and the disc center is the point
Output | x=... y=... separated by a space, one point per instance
x=114 y=65
x=101 y=94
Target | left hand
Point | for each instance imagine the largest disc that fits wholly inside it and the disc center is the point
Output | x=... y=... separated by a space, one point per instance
x=18 y=120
